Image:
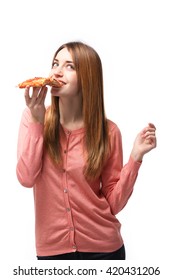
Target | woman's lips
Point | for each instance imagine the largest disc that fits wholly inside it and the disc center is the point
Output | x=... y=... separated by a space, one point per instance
x=61 y=82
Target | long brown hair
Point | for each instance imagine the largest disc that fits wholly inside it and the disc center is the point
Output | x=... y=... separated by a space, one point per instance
x=90 y=81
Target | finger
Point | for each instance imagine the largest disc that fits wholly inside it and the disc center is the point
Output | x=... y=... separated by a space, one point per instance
x=42 y=95
x=26 y=95
x=150 y=137
x=148 y=133
x=35 y=93
x=34 y=96
x=152 y=125
x=45 y=93
x=147 y=130
x=151 y=140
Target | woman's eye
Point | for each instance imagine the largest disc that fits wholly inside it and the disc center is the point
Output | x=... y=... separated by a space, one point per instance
x=70 y=66
x=55 y=64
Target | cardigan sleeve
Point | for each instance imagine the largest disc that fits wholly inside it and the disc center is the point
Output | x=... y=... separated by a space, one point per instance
x=118 y=180
x=29 y=150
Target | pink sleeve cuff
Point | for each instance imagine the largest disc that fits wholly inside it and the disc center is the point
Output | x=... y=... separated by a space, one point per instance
x=35 y=129
x=134 y=164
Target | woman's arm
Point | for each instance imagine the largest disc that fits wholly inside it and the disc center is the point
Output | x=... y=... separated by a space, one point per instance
x=30 y=138
x=29 y=150
x=118 y=181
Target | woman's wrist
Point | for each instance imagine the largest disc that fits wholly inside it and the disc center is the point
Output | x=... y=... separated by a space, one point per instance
x=136 y=156
x=37 y=120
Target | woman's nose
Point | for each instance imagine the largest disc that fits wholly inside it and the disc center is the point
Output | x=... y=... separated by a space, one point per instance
x=58 y=71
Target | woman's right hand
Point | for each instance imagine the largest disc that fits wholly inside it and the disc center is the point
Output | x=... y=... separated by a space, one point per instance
x=36 y=102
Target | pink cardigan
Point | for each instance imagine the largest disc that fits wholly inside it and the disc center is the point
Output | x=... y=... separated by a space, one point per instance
x=72 y=214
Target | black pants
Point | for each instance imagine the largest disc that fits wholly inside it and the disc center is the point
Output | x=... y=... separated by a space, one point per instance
x=116 y=255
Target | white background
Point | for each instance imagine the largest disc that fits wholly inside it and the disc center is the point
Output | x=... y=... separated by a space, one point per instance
x=135 y=42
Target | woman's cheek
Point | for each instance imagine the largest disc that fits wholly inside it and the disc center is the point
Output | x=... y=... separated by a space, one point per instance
x=51 y=73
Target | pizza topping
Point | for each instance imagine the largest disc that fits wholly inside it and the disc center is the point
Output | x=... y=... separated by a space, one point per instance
x=40 y=82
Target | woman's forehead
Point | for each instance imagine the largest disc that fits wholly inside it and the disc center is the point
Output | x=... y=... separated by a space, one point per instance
x=64 y=54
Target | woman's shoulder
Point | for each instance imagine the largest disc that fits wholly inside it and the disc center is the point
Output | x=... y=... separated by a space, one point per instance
x=113 y=127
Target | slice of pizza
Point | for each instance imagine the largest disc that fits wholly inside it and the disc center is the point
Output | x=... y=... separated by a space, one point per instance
x=40 y=82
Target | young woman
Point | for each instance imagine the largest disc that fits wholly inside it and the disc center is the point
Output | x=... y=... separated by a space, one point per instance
x=71 y=155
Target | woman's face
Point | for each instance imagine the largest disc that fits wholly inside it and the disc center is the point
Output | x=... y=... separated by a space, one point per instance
x=63 y=70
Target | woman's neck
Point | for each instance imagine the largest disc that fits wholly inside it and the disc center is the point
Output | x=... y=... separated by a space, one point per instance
x=71 y=113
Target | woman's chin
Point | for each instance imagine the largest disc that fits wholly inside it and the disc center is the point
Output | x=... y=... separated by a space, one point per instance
x=54 y=91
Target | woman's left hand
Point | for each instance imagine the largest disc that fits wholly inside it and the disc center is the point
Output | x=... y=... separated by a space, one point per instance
x=144 y=142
